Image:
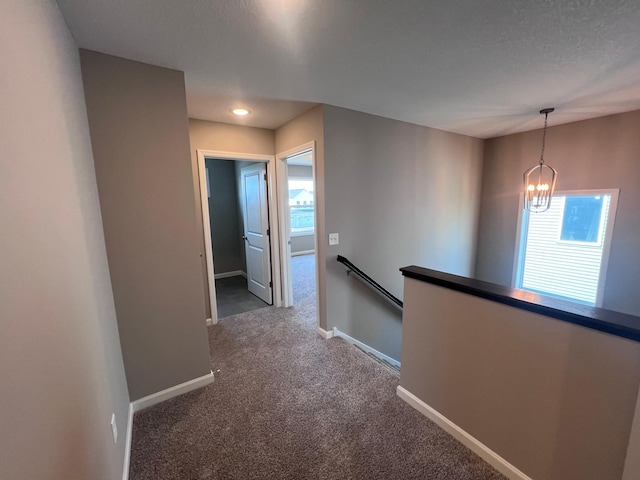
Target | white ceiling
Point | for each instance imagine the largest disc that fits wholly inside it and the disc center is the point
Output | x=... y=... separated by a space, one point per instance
x=479 y=67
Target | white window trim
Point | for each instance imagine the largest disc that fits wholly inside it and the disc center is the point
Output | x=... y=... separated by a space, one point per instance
x=521 y=235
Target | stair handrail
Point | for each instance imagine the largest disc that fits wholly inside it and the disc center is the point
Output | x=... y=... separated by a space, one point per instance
x=370 y=281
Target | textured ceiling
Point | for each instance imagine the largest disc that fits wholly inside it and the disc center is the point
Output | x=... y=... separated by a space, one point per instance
x=479 y=67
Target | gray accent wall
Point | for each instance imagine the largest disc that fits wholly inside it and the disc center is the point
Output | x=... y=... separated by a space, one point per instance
x=226 y=236
x=600 y=153
x=61 y=369
x=398 y=194
x=140 y=137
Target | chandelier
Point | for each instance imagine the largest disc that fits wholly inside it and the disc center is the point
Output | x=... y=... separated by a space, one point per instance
x=540 y=180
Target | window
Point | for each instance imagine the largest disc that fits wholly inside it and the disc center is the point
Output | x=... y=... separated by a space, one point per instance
x=301 y=206
x=563 y=252
x=582 y=218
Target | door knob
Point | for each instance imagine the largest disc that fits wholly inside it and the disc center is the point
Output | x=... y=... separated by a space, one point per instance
x=244 y=237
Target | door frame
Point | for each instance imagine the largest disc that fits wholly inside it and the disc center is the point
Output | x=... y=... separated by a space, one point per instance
x=283 y=204
x=202 y=156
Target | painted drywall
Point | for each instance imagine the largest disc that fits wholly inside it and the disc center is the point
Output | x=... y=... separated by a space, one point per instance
x=61 y=366
x=554 y=399
x=302 y=243
x=223 y=216
x=222 y=137
x=309 y=127
x=140 y=137
x=397 y=194
x=299 y=171
x=593 y=154
x=632 y=463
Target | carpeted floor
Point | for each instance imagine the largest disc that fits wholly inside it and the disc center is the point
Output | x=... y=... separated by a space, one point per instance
x=233 y=296
x=303 y=278
x=288 y=405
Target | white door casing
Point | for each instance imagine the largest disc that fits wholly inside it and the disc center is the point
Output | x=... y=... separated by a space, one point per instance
x=256 y=230
x=285 y=227
x=269 y=162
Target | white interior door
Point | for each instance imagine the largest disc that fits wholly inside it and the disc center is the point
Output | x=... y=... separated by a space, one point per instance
x=256 y=230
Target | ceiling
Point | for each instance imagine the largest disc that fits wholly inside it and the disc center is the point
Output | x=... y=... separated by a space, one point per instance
x=478 y=67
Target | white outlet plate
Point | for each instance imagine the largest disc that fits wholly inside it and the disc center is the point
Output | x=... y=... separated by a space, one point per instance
x=114 y=428
x=334 y=239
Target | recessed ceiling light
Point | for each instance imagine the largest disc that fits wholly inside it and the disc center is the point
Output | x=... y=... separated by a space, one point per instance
x=241 y=112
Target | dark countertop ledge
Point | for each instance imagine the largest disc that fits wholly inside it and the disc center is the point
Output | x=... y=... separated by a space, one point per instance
x=615 y=323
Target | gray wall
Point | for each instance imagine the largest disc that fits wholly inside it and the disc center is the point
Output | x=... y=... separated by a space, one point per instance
x=302 y=243
x=632 y=464
x=592 y=154
x=61 y=366
x=222 y=137
x=139 y=133
x=309 y=127
x=554 y=399
x=226 y=237
x=299 y=171
x=398 y=194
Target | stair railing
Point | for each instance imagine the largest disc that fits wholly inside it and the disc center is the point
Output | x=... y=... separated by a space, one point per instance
x=370 y=282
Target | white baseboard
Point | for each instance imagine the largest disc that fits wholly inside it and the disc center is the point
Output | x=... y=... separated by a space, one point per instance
x=211 y=322
x=325 y=334
x=366 y=348
x=127 y=445
x=235 y=273
x=155 y=398
x=302 y=252
x=484 y=452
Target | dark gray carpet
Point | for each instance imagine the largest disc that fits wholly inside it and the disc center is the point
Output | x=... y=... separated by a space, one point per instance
x=288 y=405
x=233 y=297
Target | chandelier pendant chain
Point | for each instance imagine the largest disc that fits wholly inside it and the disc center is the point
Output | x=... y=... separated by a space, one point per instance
x=544 y=137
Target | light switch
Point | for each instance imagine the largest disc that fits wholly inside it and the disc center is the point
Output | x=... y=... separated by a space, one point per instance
x=334 y=239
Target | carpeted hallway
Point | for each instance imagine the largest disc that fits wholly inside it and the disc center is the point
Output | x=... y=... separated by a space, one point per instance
x=288 y=405
x=303 y=279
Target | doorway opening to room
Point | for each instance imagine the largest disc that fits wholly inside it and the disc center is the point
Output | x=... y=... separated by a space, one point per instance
x=238 y=210
x=299 y=227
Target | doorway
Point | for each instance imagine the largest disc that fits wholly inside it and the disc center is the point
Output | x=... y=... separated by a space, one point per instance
x=237 y=196
x=298 y=226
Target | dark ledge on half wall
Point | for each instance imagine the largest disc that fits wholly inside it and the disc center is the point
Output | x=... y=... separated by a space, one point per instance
x=615 y=323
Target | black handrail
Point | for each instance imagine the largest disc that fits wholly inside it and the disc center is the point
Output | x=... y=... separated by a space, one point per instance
x=370 y=281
